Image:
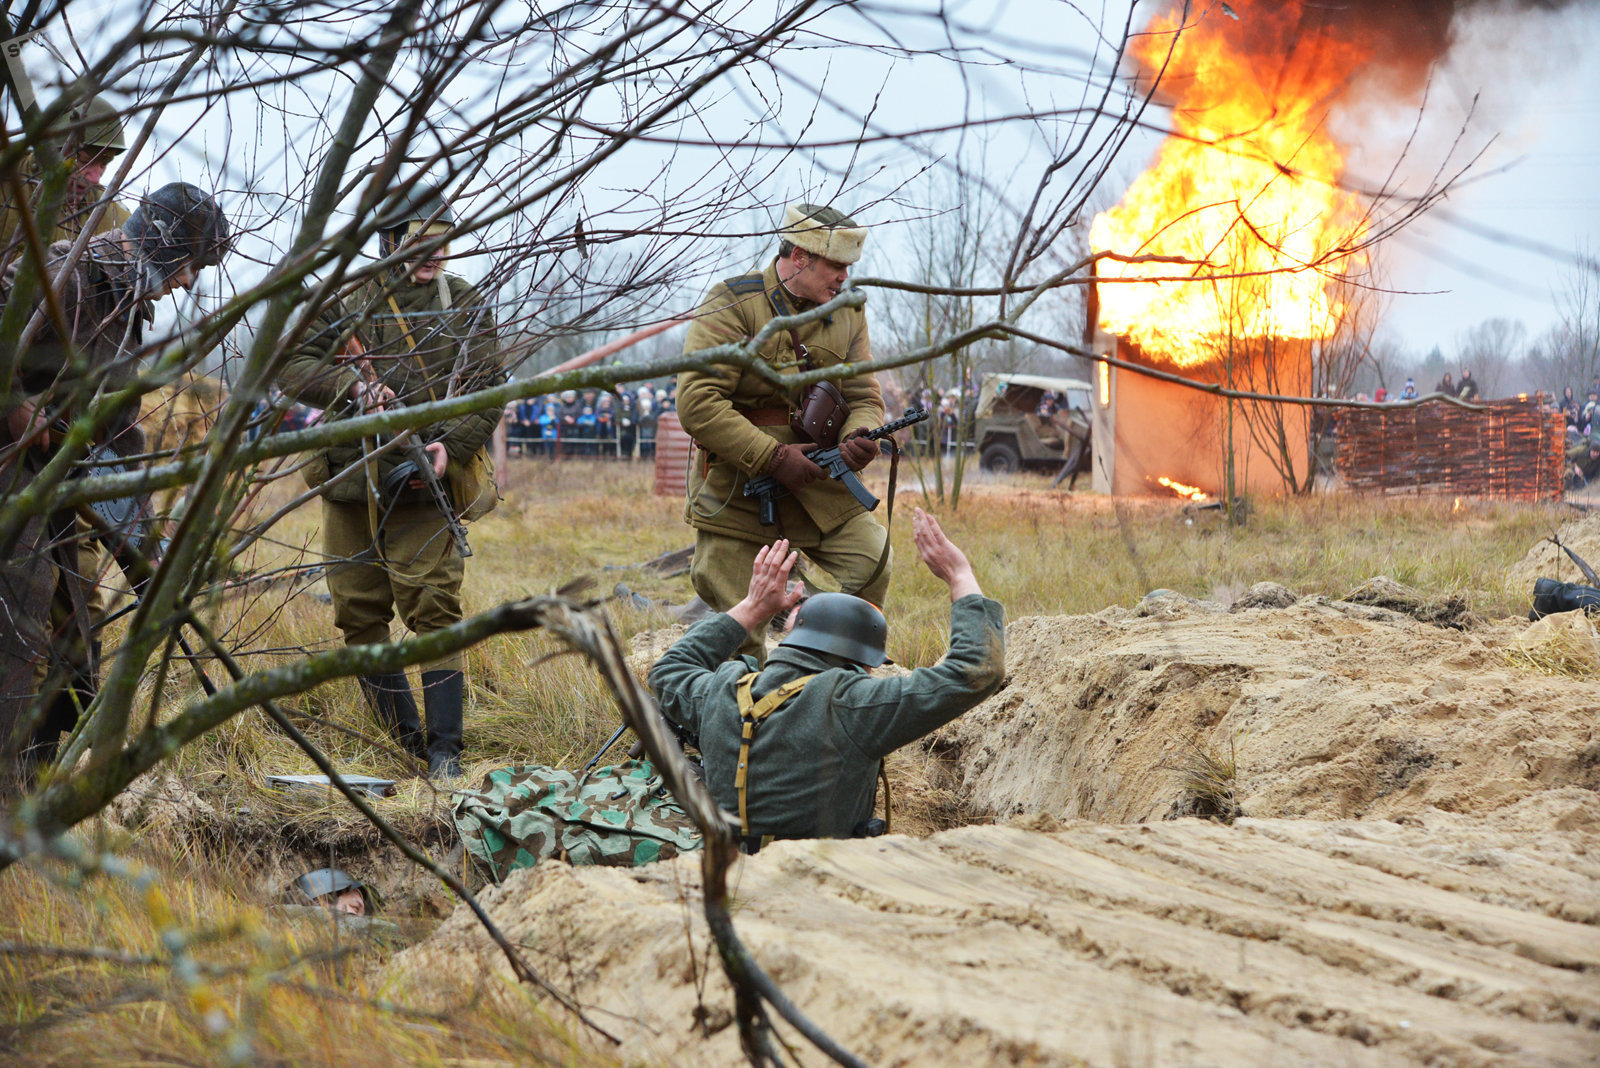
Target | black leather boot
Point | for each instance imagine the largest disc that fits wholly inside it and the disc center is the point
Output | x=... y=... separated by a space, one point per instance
x=442 y=695
x=391 y=700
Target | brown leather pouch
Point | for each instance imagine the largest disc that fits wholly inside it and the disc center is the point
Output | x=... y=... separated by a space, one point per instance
x=821 y=414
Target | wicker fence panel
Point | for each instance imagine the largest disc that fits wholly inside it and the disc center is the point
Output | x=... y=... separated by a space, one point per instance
x=1514 y=450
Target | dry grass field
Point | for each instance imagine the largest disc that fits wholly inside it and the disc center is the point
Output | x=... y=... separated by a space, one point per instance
x=298 y=995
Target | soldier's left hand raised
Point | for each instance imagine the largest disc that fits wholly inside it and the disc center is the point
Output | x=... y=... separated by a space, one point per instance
x=857 y=450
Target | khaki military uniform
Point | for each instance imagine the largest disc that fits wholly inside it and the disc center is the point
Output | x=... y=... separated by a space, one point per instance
x=387 y=555
x=813 y=764
x=75 y=211
x=739 y=419
x=106 y=327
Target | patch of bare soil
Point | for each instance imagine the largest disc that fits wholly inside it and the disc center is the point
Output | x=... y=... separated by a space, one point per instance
x=1335 y=710
x=1544 y=560
x=1271 y=942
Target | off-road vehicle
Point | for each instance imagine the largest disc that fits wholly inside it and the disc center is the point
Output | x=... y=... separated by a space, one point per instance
x=1013 y=436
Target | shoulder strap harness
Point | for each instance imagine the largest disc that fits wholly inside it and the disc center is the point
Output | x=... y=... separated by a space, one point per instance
x=753 y=712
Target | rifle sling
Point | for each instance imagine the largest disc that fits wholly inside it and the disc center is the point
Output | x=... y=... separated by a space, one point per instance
x=888 y=525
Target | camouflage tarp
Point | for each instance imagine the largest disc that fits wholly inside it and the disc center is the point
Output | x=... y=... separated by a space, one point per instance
x=619 y=815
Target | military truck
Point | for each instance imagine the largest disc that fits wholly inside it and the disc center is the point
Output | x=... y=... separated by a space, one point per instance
x=1013 y=436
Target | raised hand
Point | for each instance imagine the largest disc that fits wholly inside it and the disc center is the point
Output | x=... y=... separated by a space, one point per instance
x=769 y=591
x=942 y=556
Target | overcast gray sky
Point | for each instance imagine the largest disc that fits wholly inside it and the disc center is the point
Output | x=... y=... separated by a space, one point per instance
x=1538 y=111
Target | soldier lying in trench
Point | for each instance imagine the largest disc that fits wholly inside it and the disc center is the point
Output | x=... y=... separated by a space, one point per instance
x=796 y=748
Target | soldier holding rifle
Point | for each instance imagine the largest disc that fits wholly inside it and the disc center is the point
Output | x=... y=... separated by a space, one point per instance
x=744 y=427
x=392 y=532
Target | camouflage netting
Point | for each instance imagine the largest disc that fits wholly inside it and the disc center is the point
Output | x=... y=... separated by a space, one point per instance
x=619 y=815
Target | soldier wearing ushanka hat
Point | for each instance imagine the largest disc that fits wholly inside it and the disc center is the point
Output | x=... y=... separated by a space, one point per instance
x=741 y=423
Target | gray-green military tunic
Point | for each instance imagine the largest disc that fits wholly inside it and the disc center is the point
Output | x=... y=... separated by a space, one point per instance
x=814 y=762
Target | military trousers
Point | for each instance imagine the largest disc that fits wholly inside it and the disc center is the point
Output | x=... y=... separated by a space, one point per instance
x=67 y=651
x=849 y=553
x=409 y=564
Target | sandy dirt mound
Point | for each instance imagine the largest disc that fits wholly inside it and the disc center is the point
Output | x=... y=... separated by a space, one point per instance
x=1544 y=560
x=1266 y=943
x=1336 y=710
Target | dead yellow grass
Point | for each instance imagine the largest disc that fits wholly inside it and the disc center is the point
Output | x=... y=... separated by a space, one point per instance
x=260 y=986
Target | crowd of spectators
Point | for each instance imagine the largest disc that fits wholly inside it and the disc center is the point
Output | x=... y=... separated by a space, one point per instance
x=617 y=425
x=950 y=421
x=1583 y=434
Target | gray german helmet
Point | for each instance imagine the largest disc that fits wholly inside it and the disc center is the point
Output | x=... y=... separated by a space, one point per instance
x=841 y=625
x=177 y=224
x=324 y=881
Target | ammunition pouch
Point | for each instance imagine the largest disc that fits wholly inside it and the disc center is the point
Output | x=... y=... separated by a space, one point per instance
x=821 y=414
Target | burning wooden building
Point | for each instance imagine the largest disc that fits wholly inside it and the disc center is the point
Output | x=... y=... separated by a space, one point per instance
x=1225 y=261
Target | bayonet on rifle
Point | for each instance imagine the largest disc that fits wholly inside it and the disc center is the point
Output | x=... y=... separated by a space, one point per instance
x=769 y=490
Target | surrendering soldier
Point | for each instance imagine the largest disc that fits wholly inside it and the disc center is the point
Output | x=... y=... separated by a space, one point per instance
x=424 y=334
x=50 y=661
x=740 y=422
x=795 y=748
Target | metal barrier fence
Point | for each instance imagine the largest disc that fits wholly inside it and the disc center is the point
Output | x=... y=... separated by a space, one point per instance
x=633 y=443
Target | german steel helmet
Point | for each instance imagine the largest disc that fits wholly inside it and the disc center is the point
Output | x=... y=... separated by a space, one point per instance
x=179 y=224
x=841 y=625
x=324 y=881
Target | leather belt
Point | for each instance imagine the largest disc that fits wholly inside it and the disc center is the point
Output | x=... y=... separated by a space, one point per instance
x=765 y=416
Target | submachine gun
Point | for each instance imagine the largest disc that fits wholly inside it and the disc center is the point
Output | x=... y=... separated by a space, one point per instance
x=416 y=465
x=769 y=490
x=419 y=465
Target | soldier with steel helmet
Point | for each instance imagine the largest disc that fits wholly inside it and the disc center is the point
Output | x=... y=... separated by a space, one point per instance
x=743 y=426
x=795 y=748
x=93 y=141
x=107 y=296
x=423 y=334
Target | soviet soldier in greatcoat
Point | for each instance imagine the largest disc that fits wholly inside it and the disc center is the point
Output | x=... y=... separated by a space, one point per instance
x=740 y=422
x=424 y=335
x=795 y=748
x=106 y=303
x=99 y=141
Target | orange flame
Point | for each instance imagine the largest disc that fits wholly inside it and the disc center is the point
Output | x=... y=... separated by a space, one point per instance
x=1194 y=493
x=1247 y=184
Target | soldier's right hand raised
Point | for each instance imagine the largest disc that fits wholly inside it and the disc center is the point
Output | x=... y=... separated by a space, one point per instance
x=791 y=466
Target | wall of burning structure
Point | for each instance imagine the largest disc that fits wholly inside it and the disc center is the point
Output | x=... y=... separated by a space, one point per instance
x=1156 y=437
